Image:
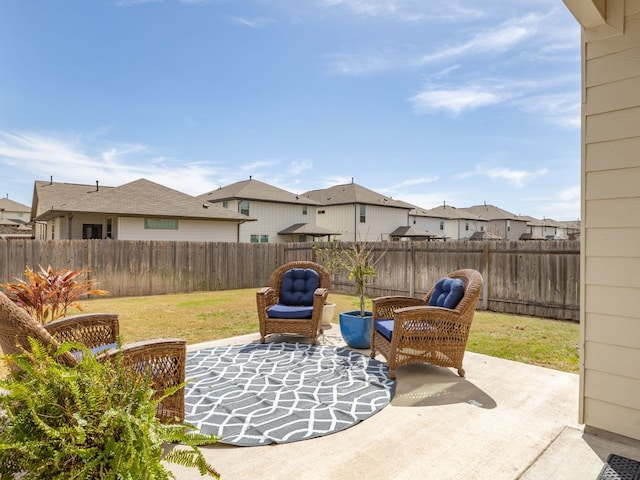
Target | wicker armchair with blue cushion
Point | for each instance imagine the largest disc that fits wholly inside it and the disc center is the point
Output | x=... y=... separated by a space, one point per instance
x=163 y=359
x=433 y=330
x=294 y=300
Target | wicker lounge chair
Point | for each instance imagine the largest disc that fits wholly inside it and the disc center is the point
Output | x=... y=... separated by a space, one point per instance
x=294 y=300
x=164 y=359
x=408 y=330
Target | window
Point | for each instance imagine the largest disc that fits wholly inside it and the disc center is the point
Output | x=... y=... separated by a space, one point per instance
x=161 y=224
x=109 y=228
x=254 y=238
x=363 y=213
x=302 y=238
x=244 y=207
x=466 y=226
x=91 y=230
x=441 y=224
x=225 y=204
x=264 y=238
x=508 y=225
x=304 y=209
x=482 y=228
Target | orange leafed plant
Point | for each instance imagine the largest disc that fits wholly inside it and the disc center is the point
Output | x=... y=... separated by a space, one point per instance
x=47 y=294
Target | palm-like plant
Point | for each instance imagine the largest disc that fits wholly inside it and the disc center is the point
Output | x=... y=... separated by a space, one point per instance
x=358 y=259
x=48 y=294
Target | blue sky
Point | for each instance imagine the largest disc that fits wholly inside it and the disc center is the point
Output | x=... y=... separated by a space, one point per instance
x=454 y=101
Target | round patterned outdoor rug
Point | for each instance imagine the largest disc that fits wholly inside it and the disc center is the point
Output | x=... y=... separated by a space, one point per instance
x=282 y=392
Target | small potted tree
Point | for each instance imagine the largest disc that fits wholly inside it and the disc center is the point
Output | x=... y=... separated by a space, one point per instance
x=359 y=261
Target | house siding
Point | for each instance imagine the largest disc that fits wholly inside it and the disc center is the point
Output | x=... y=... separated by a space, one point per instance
x=379 y=223
x=132 y=228
x=273 y=218
x=610 y=319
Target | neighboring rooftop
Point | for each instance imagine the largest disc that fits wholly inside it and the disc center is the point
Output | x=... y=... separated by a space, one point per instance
x=254 y=190
x=140 y=197
x=352 y=193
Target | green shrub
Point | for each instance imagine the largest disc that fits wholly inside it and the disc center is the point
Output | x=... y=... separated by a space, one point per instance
x=95 y=420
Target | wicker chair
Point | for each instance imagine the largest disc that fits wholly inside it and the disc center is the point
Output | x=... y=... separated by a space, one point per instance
x=164 y=359
x=301 y=319
x=422 y=333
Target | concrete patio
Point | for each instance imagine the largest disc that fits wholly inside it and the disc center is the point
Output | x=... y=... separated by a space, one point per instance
x=505 y=420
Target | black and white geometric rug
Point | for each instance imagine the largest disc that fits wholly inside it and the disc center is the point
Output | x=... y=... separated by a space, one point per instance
x=258 y=394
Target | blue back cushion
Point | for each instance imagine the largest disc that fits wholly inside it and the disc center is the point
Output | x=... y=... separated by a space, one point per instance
x=447 y=293
x=298 y=286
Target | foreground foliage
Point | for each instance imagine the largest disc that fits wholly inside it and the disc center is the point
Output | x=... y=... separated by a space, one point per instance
x=96 y=420
x=47 y=294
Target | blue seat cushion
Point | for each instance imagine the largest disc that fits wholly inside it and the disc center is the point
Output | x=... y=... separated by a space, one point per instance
x=78 y=354
x=447 y=293
x=289 y=311
x=385 y=327
x=298 y=286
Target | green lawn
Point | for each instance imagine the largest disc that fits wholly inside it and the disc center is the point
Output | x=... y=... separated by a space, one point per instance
x=202 y=316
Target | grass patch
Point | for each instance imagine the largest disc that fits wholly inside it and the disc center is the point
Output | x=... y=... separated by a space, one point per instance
x=202 y=316
x=537 y=341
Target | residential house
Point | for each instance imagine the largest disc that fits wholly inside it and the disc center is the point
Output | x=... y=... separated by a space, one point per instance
x=14 y=219
x=543 y=229
x=573 y=229
x=501 y=223
x=359 y=214
x=448 y=222
x=610 y=218
x=139 y=210
x=281 y=216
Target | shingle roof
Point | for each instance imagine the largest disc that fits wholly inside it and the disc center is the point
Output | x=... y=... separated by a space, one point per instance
x=545 y=222
x=446 y=211
x=140 y=197
x=307 y=229
x=255 y=190
x=11 y=206
x=413 y=232
x=491 y=212
x=352 y=193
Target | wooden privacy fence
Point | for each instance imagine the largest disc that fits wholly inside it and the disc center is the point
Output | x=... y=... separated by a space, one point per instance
x=532 y=278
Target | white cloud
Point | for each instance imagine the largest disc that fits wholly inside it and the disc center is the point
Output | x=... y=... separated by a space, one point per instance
x=407 y=10
x=517 y=178
x=562 y=206
x=73 y=159
x=129 y=3
x=454 y=100
x=300 y=166
x=493 y=40
x=258 y=165
x=257 y=22
x=563 y=109
x=359 y=64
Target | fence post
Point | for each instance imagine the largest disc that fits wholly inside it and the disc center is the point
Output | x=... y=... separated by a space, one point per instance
x=412 y=261
x=485 y=276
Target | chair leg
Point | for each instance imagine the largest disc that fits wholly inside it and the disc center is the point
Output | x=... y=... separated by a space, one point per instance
x=392 y=373
x=461 y=372
x=261 y=338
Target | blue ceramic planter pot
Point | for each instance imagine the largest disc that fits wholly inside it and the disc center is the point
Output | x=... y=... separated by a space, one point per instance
x=356 y=330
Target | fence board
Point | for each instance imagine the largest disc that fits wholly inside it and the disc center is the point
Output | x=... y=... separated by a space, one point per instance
x=532 y=278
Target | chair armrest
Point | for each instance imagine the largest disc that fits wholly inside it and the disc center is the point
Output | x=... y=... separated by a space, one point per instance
x=384 y=307
x=320 y=293
x=266 y=297
x=164 y=359
x=90 y=329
